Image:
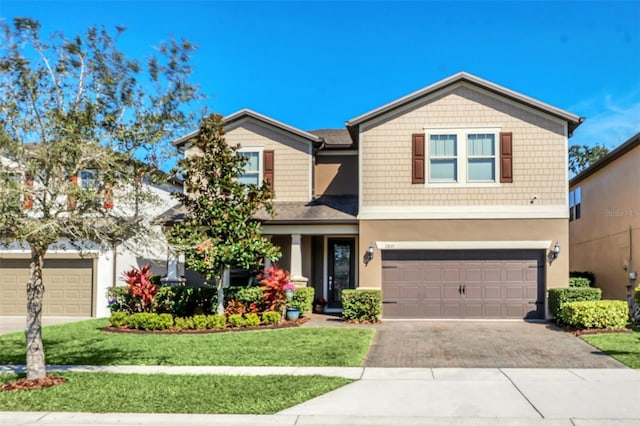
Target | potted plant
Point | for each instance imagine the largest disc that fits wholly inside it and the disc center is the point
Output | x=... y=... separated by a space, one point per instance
x=319 y=304
x=289 y=289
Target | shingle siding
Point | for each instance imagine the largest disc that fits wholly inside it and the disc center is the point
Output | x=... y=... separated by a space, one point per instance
x=291 y=157
x=539 y=149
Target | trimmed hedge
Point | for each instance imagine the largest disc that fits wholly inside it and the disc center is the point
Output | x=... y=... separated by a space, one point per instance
x=579 y=282
x=148 y=321
x=595 y=314
x=302 y=299
x=362 y=305
x=559 y=296
x=584 y=274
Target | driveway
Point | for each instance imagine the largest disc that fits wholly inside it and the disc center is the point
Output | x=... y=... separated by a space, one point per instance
x=13 y=324
x=481 y=344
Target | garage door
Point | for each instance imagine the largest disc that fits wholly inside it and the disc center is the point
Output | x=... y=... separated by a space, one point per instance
x=463 y=284
x=68 y=287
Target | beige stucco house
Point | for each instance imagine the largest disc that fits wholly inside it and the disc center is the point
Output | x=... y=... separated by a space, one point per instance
x=451 y=200
x=604 y=231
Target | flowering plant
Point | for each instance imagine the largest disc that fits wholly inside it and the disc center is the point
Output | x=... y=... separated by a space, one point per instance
x=273 y=282
x=289 y=287
x=321 y=301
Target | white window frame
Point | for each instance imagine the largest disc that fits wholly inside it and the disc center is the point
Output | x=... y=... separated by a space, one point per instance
x=462 y=159
x=259 y=150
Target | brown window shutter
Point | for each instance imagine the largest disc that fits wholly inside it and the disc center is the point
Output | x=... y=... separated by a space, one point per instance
x=268 y=166
x=417 y=158
x=28 y=196
x=506 y=158
x=107 y=198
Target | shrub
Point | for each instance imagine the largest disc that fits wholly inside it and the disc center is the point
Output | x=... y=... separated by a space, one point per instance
x=595 y=314
x=637 y=296
x=579 y=282
x=164 y=300
x=150 y=321
x=272 y=284
x=200 y=322
x=271 y=318
x=180 y=323
x=252 y=320
x=216 y=322
x=559 y=296
x=362 y=305
x=235 y=307
x=302 y=300
x=186 y=301
x=251 y=297
x=120 y=299
x=584 y=274
x=237 y=321
x=141 y=287
x=119 y=319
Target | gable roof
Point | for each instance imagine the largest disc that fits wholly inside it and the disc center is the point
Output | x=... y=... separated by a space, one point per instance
x=607 y=159
x=572 y=119
x=247 y=113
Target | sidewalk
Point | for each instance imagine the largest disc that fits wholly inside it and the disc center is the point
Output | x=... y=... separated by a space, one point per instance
x=408 y=396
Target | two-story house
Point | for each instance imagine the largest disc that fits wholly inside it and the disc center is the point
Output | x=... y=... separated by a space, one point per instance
x=452 y=200
x=76 y=282
x=604 y=227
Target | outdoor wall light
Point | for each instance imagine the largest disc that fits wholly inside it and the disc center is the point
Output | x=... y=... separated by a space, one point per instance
x=556 y=251
x=368 y=256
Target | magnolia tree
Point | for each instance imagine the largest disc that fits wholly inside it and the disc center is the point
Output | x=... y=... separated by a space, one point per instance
x=219 y=231
x=78 y=122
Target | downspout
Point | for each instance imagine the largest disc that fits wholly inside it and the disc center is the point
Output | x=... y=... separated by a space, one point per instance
x=115 y=259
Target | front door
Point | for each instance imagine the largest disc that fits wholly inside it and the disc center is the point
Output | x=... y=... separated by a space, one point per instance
x=341 y=267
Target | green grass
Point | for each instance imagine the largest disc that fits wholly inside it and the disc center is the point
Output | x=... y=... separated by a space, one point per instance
x=161 y=393
x=84 y=343
x=625 y=347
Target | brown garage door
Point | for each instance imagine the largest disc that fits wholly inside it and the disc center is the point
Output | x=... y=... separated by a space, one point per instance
x=462 y=284
x=68 y=287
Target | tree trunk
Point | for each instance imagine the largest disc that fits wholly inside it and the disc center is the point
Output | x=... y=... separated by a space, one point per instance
x=36 y=368
x=220 y=305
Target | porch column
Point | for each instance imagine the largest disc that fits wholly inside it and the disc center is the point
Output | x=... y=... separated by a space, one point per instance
x=296 y=262
x=174 y=275
x=267 y=261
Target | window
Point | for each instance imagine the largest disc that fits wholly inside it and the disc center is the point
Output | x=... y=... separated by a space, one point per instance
x=481 y=157
x=252 y=171
x=443 y=161
x=575 y=199
x=88 y=179
x=462 y=157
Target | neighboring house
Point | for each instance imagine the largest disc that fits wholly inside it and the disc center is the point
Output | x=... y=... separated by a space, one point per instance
x=604 y=227
x=450 y=200
x=75 y=284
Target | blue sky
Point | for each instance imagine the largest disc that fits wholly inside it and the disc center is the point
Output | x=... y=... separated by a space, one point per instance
x=317 y=64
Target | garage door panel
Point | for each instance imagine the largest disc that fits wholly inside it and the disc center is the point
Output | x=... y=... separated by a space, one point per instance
x=68 y=287
x=496 y=284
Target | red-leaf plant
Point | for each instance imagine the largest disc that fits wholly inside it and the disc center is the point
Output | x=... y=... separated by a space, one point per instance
x=141 y=287
x=273 y=282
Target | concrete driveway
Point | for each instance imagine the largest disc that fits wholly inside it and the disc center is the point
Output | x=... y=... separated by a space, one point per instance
x=481 y=344
x=13 y=324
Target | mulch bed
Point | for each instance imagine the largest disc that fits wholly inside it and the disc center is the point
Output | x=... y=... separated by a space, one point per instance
x=284 y=324
x=580 y=332
x=32 y=384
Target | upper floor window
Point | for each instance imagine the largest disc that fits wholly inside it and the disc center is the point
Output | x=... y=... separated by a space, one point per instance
x=88 y=179
x=461 y=157
x=575 y=200
x=252 y=170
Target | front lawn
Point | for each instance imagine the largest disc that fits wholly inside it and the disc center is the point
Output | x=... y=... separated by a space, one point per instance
x=160 y=393
x=625 y=347
x=84 y=343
